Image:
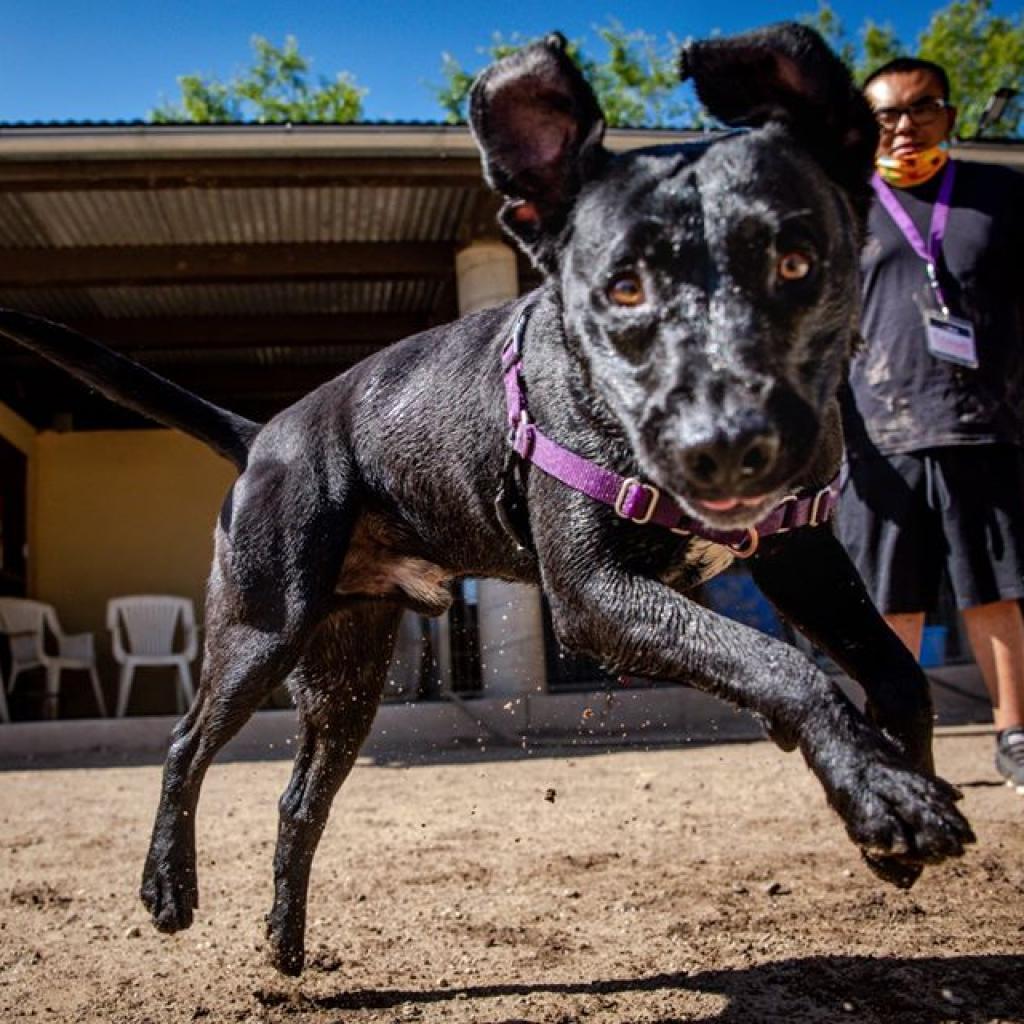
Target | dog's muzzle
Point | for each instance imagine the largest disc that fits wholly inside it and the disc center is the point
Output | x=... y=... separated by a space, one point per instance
x=630 y=497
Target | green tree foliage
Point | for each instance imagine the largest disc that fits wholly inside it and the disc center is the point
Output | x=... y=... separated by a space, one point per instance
x=275 y=89
x=980 y=51
x=878 y=43
x=634 y=80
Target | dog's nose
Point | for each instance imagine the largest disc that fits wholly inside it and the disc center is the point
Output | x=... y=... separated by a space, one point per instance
x=732 y=462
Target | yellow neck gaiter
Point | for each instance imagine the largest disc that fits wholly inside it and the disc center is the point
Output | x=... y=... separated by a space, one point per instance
x=908 y=171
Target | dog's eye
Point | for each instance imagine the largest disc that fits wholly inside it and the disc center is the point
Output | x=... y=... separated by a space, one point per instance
x=626 y=290
x=793 y=266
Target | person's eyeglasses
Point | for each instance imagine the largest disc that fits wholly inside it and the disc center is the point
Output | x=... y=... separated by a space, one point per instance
x=921 y=113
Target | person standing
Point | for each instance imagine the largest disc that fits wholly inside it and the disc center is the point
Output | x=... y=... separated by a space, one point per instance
x=934 y=409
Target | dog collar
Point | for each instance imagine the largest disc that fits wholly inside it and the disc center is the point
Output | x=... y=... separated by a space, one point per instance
x=630 y=497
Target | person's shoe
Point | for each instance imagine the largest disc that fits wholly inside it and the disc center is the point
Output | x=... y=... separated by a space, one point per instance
x=1010 y=757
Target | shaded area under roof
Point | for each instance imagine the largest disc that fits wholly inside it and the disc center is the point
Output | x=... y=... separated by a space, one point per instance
x=246 y=262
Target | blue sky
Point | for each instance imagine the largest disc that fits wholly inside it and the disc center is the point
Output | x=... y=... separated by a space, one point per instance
x=116 y=59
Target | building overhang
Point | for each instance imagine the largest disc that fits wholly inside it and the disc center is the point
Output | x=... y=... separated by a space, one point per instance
x=247 y=262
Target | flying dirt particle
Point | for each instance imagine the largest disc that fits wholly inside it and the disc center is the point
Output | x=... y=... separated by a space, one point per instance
x=549 y=795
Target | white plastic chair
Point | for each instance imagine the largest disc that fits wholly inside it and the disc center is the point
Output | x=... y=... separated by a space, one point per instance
x=143 y=629
x=26 y=624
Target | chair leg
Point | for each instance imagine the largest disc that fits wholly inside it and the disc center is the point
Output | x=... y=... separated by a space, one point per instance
x=124 y=688
x=5 y=714
x=98 y=691
x=185 y=685
x=52 y=699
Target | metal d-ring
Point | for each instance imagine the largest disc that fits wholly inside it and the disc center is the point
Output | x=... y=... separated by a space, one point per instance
x=753 y=540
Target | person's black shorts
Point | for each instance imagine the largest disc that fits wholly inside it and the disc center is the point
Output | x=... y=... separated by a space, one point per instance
x=905 y=519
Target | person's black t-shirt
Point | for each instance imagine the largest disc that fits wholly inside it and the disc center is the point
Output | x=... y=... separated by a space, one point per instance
x=906 y=399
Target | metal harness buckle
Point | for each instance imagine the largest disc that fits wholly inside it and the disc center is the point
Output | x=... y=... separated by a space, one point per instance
x=823 y=494
x=785 y=501
x=620 y=501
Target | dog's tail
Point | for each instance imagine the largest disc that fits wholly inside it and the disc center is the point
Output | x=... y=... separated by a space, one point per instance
x=133 y=386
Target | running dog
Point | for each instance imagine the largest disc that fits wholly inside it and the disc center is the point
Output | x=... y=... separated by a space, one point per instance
x=663 y=403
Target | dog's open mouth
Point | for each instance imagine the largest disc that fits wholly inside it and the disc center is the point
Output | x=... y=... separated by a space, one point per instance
x=733 y=513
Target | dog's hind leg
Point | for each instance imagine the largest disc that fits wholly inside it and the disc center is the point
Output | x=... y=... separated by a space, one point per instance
x=337 y=686
x=280 y=547
x=236 y=677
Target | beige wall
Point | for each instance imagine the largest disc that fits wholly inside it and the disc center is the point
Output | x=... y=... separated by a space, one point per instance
x=23 y=436
x=121 y=512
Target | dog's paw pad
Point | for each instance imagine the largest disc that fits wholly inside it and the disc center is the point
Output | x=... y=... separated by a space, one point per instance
x=900 y=873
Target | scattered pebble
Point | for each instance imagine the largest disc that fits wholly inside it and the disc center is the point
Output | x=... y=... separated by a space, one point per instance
x=549 y=795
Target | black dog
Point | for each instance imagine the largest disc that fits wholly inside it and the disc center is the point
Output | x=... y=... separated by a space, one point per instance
x=697 y=314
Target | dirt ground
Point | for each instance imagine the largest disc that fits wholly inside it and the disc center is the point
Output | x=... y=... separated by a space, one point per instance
x=686 y=884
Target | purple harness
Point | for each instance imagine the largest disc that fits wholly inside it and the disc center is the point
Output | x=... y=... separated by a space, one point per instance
x=631 y=498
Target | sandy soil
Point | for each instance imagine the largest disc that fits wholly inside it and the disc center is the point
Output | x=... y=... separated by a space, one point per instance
x=693 y=884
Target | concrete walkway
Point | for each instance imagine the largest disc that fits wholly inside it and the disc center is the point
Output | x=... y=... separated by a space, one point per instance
x=429 y=729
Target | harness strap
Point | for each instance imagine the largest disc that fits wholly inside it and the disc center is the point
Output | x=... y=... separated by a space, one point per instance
x=631 y=498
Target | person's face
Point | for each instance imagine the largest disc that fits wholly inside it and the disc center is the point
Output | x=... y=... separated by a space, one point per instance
x=903 y=134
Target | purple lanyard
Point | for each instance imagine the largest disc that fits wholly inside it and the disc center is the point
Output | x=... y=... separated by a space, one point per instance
x=936 y=230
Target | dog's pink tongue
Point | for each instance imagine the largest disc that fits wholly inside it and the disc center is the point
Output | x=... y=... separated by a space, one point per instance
x=727 y=504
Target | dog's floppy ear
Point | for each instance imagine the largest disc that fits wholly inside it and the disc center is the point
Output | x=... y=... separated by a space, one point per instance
x=539 y=128
x=788 y=73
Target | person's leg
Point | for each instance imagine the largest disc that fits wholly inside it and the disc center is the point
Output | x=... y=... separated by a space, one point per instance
x=909 y=627
x=982 y=495
x=892 y=538
x=996 y=633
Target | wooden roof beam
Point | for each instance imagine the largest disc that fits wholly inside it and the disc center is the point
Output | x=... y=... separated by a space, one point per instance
x=95 y=266
x=281 y=172
x=144 y=334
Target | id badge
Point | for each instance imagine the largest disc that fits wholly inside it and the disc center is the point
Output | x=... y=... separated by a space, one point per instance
x=951 y=338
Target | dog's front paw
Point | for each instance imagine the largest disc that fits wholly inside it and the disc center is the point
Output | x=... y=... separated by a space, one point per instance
x=169 y=891
x=901 y=819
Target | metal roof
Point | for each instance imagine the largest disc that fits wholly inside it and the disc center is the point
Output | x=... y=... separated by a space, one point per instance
x=248 y=262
